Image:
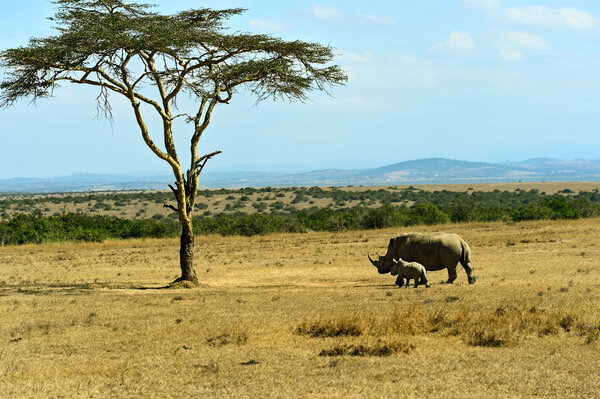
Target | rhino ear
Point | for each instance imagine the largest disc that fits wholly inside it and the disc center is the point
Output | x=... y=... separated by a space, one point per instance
x=391 y=240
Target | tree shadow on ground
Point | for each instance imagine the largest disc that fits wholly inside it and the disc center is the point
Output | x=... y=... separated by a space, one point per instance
x=76 y=288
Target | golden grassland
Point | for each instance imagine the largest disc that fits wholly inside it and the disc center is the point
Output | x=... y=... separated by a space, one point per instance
x=304 y=316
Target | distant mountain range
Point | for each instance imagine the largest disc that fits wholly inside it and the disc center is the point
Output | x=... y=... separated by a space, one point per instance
x=422 y=171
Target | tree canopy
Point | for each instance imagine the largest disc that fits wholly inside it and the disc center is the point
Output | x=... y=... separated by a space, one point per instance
x=100 y=41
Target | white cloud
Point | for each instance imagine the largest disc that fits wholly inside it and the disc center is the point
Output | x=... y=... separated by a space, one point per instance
x=348 y=56
x=507 y=53
x=524 y=39
x=488 y=4
x=512 y=44
x=460 y=41
x=382 y=70
x=322 y=12
x=381 y=82
x=265 y=25
x=374 y=19
x=542 y=16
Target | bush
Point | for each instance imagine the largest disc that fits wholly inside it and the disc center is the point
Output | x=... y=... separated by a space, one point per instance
x=385 y=216
x=260 y=207
x=429 y=208
x=277 y=205
x=561 y=208
x=428 y=214
x=532 y=212
x=36 y=228
x=246 y=225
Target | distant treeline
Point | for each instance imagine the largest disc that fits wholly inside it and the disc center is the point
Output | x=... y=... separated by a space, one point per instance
x=391 y=195
x=427 y=208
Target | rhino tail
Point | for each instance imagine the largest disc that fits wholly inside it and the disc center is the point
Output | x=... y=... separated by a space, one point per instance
x=465 y=256
x=465 y=261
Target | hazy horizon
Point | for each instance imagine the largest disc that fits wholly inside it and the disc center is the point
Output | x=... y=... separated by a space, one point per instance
x=474 y=80
x=273 y=169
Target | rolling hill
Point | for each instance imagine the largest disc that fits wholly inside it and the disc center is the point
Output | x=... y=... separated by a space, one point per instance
x=422 y=171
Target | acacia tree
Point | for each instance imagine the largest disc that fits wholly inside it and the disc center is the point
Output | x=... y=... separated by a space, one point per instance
x=150 y=59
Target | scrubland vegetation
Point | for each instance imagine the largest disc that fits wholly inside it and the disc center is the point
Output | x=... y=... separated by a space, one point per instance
x=304 y=315
x=250 y=211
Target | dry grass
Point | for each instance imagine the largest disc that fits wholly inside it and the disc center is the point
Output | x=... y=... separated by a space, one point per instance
x=503 y=326
x=303 y=316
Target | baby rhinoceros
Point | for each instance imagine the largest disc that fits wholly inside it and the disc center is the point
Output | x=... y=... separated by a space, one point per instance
x=409 y=271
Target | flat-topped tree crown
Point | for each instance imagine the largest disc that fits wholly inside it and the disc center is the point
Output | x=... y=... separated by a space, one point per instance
x=130 y=50
x=102 y=38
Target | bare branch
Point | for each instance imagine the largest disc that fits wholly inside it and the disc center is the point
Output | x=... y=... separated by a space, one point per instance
x=103 y=105
x=171 y=207
x=140 y=120
x=200 y=163
x=200 y=128
x=188 y=117
x=175 y=191
x=142 y=76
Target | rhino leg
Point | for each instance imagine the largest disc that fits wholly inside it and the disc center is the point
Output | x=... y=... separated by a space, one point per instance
x=424 y=281
x=469 y=270
x=399 y=281
x=451 y=275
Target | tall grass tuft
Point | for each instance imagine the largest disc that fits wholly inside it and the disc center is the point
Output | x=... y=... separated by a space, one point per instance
x=503 y=326
x=328 y=327
x=380 y=348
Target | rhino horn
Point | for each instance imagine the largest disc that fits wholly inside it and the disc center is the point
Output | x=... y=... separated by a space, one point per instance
x=375 y=263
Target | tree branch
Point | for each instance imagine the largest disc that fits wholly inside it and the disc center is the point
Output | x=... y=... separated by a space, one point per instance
x=199 y=128
x=199 y=165
x=142 y=125
x=171 y=207
x=166 y=108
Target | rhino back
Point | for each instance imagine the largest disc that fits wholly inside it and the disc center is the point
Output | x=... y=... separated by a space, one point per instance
x=412 y=270
x=435 y=251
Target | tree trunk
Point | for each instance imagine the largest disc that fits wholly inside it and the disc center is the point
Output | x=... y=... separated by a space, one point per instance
x=186 y=253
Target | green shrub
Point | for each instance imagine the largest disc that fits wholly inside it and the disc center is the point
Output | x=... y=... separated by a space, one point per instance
x=277 y=205
x=36 y=228
x=427 y=214
x=260 y=207
x=429 y=208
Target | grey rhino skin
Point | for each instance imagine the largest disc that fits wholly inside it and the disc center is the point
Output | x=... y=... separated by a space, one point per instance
x=435 y=251
x=409 y=271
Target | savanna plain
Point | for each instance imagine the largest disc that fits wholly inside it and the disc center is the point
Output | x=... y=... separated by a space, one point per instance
x=304 y=316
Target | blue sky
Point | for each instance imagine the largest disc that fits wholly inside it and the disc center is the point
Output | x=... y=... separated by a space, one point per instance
x=477 y=80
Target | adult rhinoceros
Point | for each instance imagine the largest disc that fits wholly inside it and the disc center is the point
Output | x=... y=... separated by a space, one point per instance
x=435 y=251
